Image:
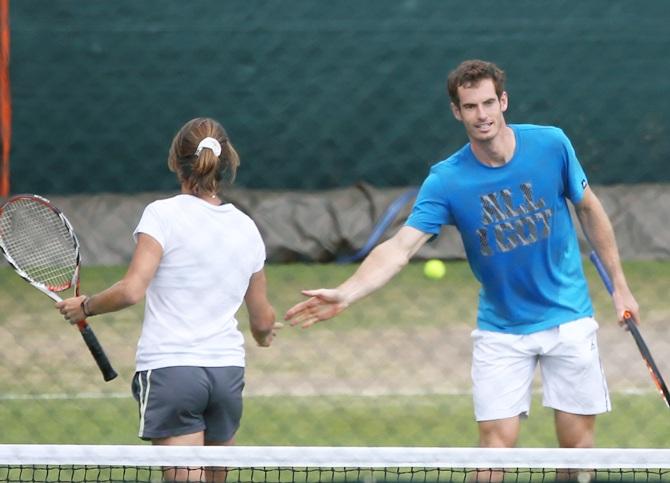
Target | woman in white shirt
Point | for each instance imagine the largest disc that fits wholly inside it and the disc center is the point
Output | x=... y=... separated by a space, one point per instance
x=196 y=260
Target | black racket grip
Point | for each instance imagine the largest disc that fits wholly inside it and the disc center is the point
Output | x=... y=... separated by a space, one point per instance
x=108 y=372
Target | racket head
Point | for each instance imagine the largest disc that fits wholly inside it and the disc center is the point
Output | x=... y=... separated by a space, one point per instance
x=631 y=325
x=648 y=359
x=39 y=243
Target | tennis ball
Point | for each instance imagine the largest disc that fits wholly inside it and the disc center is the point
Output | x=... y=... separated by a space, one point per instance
x=434 y=269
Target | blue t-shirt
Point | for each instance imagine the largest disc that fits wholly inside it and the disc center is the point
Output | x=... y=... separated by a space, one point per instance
x=516 y=229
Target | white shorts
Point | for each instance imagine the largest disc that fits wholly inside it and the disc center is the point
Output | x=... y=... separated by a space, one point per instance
x=503 y=367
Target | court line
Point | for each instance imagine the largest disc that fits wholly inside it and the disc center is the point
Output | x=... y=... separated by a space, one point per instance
x=124 y=395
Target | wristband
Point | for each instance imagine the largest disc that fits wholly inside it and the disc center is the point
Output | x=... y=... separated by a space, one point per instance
x=83 y=307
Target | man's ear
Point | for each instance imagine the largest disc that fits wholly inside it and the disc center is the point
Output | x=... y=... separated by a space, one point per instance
x=504 y=101
x=456 y=111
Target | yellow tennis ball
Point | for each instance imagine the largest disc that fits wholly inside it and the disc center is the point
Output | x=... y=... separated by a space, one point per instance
x=434 y=269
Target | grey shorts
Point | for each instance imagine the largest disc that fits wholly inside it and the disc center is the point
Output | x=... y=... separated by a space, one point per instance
x=183 y=399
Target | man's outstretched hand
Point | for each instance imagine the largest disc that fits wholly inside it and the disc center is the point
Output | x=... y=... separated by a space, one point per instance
x=323 y=304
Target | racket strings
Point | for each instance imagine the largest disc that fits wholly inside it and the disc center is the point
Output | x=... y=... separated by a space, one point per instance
x=39 y=242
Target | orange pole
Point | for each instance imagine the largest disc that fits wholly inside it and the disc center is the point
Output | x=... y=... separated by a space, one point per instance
x=5 y=99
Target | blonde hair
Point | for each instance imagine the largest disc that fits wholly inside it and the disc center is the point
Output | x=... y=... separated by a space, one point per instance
x=202 y=173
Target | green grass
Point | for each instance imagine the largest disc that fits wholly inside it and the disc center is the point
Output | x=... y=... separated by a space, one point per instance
x=297 y=390
x=636 y=422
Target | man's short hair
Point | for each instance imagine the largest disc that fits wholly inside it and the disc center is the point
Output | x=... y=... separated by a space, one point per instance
x=469 y=73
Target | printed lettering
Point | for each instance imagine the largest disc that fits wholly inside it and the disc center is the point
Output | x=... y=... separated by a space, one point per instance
x=506 y=226
x=491 y=211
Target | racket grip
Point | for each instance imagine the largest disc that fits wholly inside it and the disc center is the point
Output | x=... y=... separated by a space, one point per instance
x=108 y=372
x=600 y=268
x=595 y=259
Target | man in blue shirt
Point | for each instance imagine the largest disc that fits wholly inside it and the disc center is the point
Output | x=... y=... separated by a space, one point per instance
x=507 y=192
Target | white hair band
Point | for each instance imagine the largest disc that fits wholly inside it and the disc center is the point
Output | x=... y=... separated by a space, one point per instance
x=209 y=143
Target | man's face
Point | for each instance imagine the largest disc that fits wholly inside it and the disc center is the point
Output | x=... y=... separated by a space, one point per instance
x=480 y=110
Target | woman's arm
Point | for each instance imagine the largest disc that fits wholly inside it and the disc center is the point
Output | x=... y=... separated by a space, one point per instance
x=124 y=293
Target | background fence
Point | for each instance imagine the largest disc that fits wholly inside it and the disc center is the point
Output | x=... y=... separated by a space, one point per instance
x=320 y=96
x=353 y=90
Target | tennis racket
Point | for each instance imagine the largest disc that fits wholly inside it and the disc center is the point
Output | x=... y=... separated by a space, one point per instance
x=635 y=332
x=39 y=243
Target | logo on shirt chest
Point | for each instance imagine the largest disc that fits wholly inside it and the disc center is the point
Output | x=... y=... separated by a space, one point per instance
x=506 y=227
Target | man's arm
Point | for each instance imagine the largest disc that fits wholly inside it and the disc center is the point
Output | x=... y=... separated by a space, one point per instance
x=380 y=266
x=598 y=230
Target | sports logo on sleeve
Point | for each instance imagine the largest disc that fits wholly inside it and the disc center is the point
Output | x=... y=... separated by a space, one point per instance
x=506 y=227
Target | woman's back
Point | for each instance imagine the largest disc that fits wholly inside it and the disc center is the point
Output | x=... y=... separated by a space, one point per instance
x=209 y=254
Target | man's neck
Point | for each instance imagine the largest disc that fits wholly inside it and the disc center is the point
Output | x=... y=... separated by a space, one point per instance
x=498 y=151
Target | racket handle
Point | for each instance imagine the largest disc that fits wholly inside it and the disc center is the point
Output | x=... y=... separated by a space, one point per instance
x=595 y=259
x=108 y=372
x=627 y=316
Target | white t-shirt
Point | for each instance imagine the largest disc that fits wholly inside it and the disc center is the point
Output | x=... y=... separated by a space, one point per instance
x=209 y=254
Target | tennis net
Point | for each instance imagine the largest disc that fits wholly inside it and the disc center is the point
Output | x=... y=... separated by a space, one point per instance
x=99 y=463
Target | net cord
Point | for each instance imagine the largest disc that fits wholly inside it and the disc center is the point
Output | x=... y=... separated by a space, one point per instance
x=333 y=457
